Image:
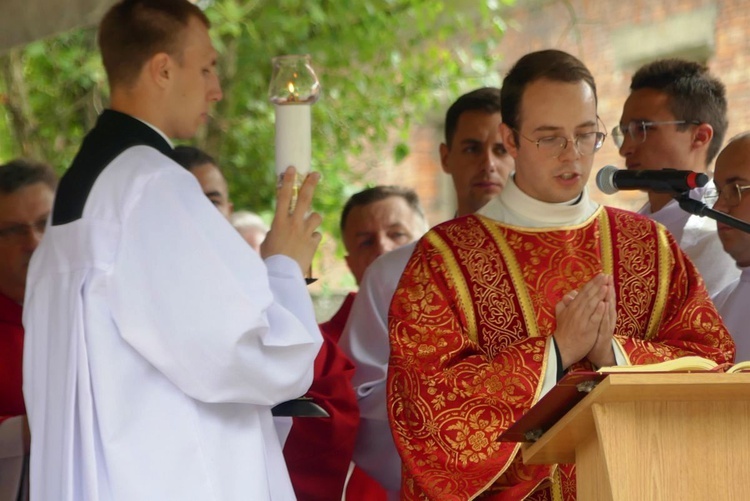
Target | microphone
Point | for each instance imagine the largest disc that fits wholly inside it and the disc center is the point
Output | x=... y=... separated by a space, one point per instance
x=610 y=179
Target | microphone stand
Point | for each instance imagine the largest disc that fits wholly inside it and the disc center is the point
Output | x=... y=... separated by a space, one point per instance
x=700 y=209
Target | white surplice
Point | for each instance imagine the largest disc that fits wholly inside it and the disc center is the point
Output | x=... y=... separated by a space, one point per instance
x=733 y=303
x=697 y=236
x=156 y=345
x=365 y=342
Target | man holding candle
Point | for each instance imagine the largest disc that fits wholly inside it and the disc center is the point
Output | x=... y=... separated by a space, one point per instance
x=494 y=307
x=156 y=344
x=474 y=156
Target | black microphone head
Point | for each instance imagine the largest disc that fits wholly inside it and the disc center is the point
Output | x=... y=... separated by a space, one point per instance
x=605 y=179
x=701 y=180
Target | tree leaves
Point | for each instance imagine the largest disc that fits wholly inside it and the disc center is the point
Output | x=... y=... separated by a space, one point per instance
x=383 y=64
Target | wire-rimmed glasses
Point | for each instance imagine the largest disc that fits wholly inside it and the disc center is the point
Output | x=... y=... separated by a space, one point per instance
x=637 y=129
x=730 y=194
x=587 y=143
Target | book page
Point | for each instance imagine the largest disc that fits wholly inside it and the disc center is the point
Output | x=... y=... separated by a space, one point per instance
x=740 y=367
x=692 y=363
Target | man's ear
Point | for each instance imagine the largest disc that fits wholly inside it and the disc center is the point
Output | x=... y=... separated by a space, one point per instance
x=702 y=136
x=444 y=152
x=509 y=139
x=160 y=68
x=349 y=260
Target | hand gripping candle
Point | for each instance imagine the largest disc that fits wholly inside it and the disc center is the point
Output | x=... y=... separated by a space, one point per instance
x=293 y=89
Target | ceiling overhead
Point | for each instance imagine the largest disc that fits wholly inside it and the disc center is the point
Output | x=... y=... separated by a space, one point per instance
x=22 y=21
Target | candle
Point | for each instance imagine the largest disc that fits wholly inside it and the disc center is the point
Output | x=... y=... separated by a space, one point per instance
x=293 y=137
x=293 y=89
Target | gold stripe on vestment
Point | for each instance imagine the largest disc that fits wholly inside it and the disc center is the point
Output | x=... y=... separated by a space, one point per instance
x=454 y=273
x=605 y=243
x=556 y=487
x=516 y=276
x=662 y=287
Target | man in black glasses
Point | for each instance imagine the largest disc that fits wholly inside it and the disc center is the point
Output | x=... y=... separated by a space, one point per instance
x=676 y=118
x=732 y=196
x=494 y=307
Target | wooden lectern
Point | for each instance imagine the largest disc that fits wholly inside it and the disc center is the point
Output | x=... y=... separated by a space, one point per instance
x=658 y=436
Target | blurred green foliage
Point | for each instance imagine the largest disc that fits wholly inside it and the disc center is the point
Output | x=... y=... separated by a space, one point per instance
x=382 y=65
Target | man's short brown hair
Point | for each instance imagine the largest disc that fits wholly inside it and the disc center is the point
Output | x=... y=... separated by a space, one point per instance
x=694 y=94
x=551 y=64
x=22 y=172
x=133 y=31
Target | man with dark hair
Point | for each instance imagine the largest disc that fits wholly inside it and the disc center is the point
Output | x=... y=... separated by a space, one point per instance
x=476 y=159
x=377 y=220
x=156 y=344
x=494 y=307
x=373 y=222
x=26 y=193
x=732 y=196
x=676 y=118
x=473 y=153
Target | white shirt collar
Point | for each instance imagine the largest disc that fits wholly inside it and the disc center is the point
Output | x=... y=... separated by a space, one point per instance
x=169 y=141
x=513 y=206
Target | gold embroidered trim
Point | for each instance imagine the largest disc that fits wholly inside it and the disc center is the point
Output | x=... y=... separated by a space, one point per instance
x=454 y=273
x=662 y=287
x=556 y=488
x=516 y=276
x=502 y=471
x=605 y=242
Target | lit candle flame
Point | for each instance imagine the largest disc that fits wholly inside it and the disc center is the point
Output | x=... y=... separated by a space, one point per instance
x=292 y=93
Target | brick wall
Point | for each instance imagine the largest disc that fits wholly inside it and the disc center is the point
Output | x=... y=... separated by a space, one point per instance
x=613 y=38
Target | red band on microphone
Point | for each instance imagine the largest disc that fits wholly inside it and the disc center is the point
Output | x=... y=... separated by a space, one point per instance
x=692 y=180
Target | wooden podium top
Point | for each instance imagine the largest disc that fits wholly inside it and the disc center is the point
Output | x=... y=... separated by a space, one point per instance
x=558 y=444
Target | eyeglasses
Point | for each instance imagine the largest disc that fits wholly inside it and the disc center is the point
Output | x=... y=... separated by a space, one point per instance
x=637 y=129
x=18 y=232
x=730 y=194
x=586 y=144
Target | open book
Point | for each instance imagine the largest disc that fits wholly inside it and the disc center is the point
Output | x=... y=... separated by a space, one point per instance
x=684 y=364
x=574 y=386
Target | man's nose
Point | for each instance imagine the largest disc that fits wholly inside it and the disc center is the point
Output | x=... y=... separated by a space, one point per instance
x=216 y=94
x=570 y=151
x=385 y=244
x=626 y=148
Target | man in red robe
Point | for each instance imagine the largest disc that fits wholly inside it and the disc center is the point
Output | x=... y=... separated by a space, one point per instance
x=494 y=307
x=318 y=451
x=26 y=193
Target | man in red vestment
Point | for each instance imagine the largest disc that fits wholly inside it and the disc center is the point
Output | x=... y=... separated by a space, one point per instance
x=26 y=193
x=479 y=165
x=494 y=307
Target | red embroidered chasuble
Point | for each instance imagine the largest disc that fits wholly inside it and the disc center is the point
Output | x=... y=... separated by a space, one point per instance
x=470 y=326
